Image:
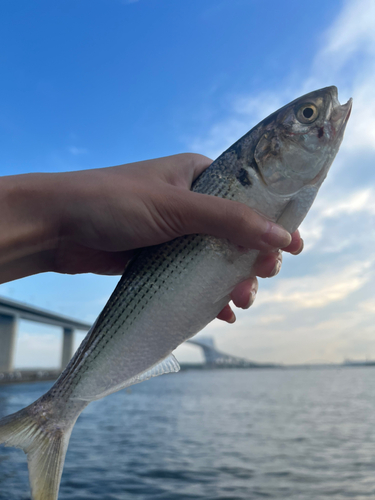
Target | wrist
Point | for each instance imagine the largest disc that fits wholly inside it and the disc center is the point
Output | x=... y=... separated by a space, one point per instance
x=28 y=222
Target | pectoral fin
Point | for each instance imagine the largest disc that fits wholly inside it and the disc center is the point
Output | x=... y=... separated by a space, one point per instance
x=167 y=365
x=297 y=208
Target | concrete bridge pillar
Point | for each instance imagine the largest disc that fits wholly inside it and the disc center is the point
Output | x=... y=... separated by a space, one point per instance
x=68 y=346
x=8 y=331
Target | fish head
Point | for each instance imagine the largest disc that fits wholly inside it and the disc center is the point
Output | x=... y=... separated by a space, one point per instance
x=298 y=143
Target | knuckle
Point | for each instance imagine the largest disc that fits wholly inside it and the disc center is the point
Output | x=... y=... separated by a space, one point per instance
x=178 y=216
x=276 y=269
x=241 y=214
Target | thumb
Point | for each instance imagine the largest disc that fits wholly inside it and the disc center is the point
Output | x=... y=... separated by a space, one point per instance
x=206 y=214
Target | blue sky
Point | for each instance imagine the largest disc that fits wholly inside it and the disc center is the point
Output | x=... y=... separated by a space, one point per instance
x=94 y=83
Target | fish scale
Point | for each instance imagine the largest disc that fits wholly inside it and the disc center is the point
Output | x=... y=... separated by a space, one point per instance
x=170 y=292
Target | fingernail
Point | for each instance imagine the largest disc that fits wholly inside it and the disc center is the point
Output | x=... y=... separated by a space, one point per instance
x=253 y=295
x=300 y=249
x=276 y=236
x=276 y=269
x=232 y=319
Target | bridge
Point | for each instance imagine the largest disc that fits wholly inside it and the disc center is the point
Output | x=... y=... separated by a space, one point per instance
x=10 y=314
x=12 y=311
x=217 y=359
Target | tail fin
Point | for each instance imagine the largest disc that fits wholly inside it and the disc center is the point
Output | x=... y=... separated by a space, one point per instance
x=45 y=449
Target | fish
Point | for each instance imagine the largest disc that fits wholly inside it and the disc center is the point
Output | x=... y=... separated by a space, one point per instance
x=171 y=291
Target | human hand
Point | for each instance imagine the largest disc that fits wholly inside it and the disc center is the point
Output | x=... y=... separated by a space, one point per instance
x=150 y=202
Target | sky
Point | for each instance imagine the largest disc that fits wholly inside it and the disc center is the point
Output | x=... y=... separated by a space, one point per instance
x=96 y=83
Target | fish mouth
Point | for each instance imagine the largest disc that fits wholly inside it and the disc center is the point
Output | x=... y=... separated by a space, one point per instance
x=340 y=112
x=349 y=106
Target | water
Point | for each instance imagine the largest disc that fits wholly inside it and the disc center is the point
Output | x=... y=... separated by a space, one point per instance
x=216 y=435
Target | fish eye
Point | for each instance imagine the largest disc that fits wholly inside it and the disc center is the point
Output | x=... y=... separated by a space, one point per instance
x=307 y=113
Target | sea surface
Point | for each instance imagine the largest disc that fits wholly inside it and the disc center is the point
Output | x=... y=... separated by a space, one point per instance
x=220 y=434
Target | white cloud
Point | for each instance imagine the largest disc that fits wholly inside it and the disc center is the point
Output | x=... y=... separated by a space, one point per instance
x=316 y=291
x=353 y=31
x=344 y=209
x=360 y=133
x=362 y=200
x=368 y=306
x=269 y=319
x=304 y=336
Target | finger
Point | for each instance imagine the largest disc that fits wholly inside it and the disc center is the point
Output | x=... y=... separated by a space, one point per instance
x=268 y=265
x=226 y=314
x=296 y=245
x=205 y=214
x=76 y=259
x=244 y=294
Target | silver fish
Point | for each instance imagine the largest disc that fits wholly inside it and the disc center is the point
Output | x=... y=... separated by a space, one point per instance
x=171 y=291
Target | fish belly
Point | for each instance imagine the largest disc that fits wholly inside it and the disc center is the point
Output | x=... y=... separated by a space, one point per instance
x=154 y=311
